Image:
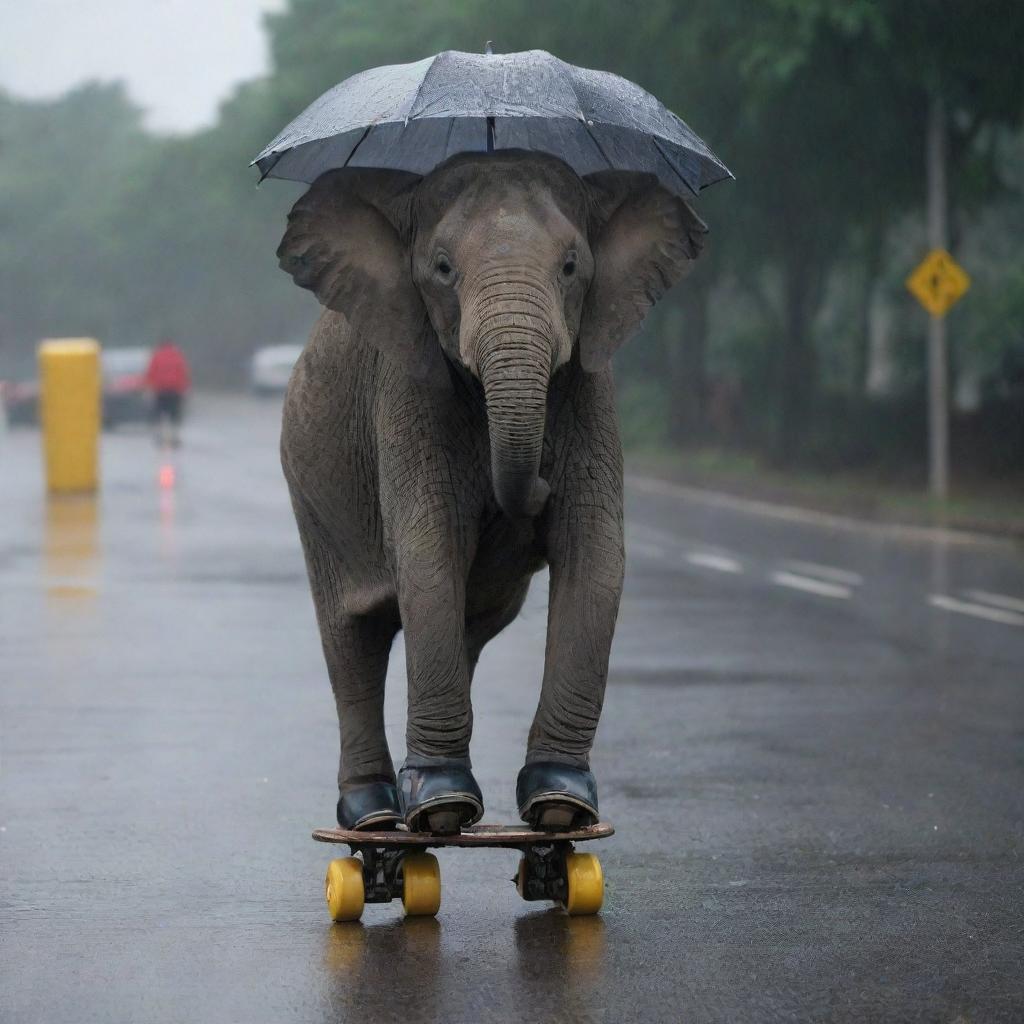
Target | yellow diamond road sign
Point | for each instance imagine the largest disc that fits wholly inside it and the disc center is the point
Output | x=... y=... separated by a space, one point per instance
x=938 y=282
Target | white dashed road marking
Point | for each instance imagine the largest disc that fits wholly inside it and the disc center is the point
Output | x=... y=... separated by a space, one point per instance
x=810 y=586
x=821 y=580
x=979 y=611
x=1011 y=604
x=709 y=560
x=828 y=572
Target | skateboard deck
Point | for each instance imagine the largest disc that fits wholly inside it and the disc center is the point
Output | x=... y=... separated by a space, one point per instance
x=396 y=865
x=503 y=836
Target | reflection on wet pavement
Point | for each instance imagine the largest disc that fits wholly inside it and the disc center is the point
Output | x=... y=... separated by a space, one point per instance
x=71 y=547
x=416 y=968
x=550 y=937
x=167 y=478
x=400 y=960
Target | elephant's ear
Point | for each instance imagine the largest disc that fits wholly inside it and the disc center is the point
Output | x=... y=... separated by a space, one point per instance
x=644 y=240
x=344 y=242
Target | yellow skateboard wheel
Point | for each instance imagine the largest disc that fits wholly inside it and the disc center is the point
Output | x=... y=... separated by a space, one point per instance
x=421 y=885
x=585 y=884
x=343 y=887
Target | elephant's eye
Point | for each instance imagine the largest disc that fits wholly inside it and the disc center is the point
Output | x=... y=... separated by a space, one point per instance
x=569 y=266
x=444 y=268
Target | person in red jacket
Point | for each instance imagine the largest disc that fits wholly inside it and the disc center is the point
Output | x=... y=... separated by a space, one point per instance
x=169 y=379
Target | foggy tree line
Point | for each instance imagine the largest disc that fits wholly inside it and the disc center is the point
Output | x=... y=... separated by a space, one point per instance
x=793 y=335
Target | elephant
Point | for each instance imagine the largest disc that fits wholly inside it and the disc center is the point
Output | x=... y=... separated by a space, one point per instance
x=448 y=431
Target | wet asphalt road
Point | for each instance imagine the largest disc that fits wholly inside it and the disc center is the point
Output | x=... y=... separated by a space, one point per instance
x=813 y=748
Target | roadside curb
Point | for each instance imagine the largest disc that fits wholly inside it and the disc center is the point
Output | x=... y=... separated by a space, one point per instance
x=894 y=530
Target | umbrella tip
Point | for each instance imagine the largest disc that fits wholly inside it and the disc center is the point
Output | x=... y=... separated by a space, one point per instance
x=488 y=49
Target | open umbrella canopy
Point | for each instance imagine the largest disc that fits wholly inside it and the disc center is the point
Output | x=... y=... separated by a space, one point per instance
x=413 y=117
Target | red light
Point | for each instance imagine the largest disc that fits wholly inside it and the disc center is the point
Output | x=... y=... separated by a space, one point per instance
x=166 y=476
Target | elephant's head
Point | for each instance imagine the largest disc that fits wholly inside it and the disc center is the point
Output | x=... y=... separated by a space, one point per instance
x=509 y=261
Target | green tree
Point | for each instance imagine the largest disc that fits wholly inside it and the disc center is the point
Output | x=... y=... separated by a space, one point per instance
x=64 y=167
x=830 y=142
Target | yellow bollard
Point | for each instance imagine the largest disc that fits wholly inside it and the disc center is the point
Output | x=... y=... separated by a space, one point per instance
x=69 y=375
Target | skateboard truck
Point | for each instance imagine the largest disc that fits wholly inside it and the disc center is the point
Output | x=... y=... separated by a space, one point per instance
x=382 y=872
x=542 y=872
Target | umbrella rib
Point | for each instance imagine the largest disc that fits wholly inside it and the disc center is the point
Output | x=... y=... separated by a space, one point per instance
x=352 y=151
x=575 y=95
x=264 y=174
x=419 y=89
x=671 y=164
x=587 y=123
x=600 y=148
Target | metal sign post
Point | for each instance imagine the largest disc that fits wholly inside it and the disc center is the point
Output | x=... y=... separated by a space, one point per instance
x=937 y=283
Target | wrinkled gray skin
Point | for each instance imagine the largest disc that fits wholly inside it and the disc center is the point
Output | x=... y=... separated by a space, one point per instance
x=450 y=429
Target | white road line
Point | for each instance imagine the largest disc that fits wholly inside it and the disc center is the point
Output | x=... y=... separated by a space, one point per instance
x=1011 y=604
x=844 y=577
x=805 y=583
x=709 y=560
x=831 y=521
x=979 y=611
x=828 y=572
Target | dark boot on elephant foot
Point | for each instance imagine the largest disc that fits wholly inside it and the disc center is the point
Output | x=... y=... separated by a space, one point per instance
x=555 y=797
x=369 y=805
x=439 y=795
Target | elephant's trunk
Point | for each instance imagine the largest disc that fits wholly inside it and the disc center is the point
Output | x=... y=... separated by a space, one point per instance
x=514 y=365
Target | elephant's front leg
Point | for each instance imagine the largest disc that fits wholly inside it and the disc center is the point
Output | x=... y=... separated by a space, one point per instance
x=436 y=784
x=585 y=552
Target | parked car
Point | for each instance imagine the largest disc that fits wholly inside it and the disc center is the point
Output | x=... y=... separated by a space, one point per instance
x=271 y=367
x=19 y=388
x=20 y=401
x=125 y=398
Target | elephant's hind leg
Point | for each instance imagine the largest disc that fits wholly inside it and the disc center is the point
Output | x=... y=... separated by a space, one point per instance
x=356 y=649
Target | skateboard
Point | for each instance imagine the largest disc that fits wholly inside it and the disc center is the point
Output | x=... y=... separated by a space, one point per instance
x=397 y=865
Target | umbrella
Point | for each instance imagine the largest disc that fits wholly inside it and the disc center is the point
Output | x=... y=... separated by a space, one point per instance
x=412 y=117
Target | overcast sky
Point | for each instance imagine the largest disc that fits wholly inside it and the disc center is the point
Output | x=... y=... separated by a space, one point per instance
x=180 y=58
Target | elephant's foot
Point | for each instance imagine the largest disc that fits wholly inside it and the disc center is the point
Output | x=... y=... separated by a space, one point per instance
x=369 y=805
x=441 y=798
x=556 y=797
